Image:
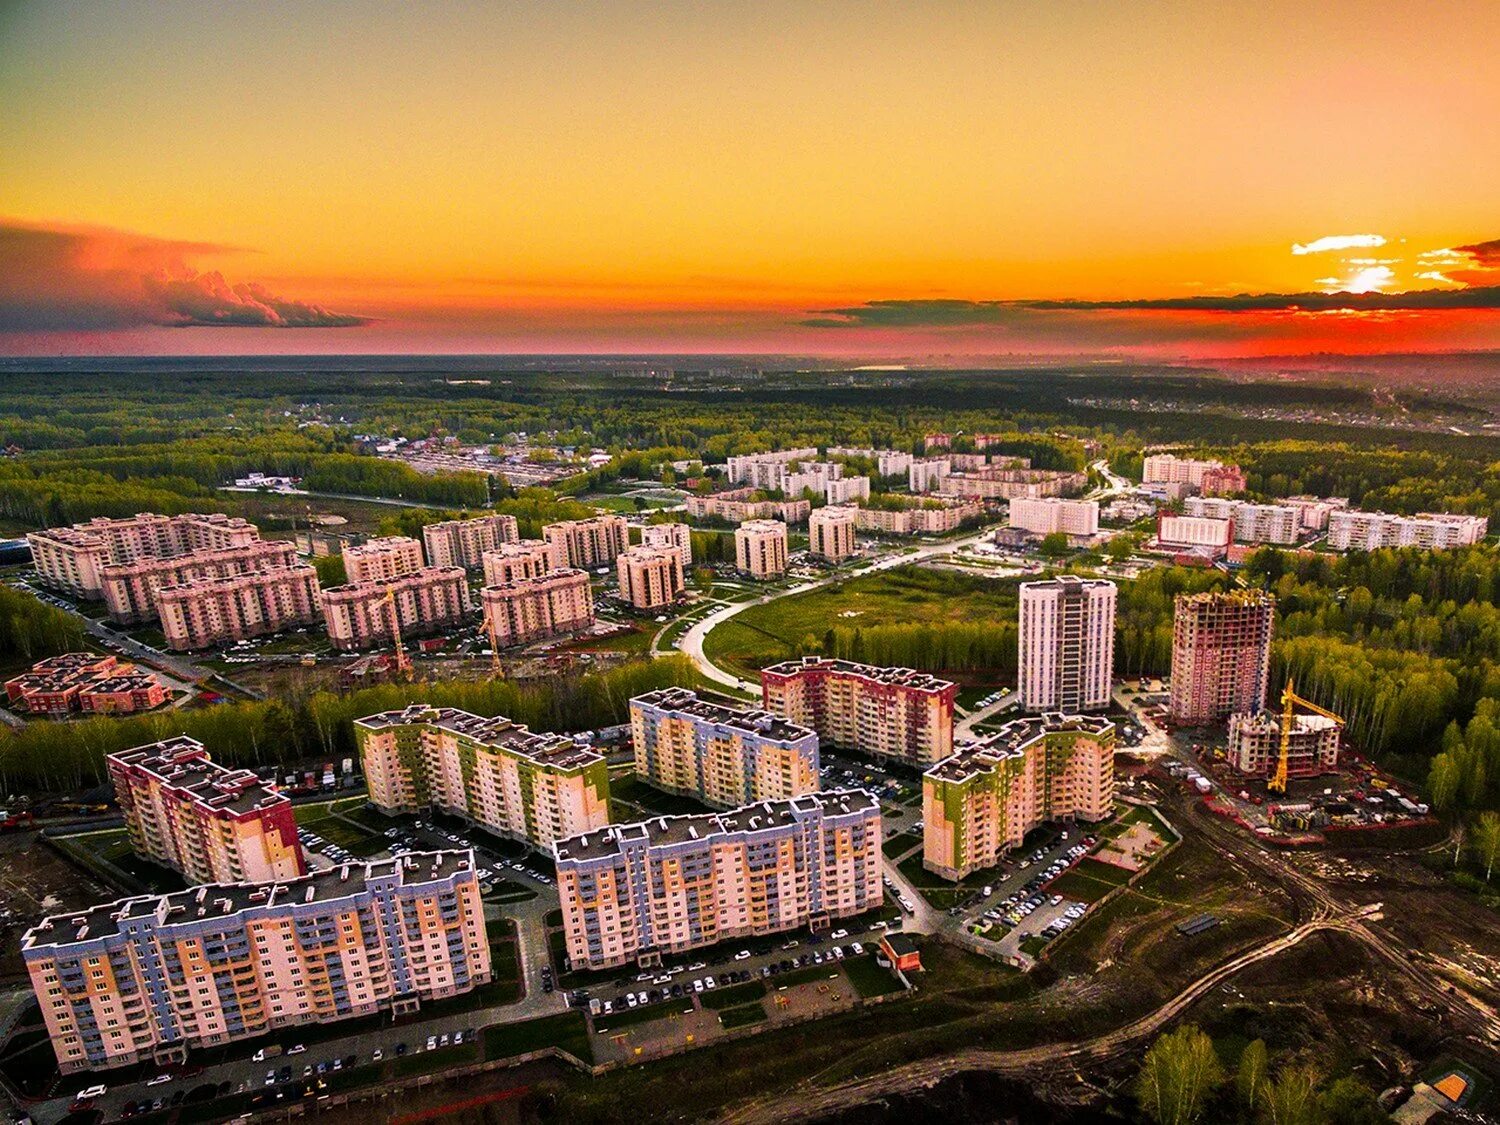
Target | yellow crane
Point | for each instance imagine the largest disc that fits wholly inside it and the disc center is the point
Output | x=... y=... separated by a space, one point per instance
x=497 y=670
x=403 y=662
x=1290 y=700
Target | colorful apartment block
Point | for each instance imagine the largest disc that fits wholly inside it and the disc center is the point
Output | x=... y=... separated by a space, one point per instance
x=215 y=611
x=495 y=773
x=981 y=802
x=891 y=713
x=516 y=562
x=555 y=604
x=382 y=560
x=212 y=823
x=152 y=977
x=633 y=892
x=72 y=559
x=425 y=601
x=130 y=588
x=1221 y=654
x=464 y=542
x=586 y=544
x=85 y=682
x=722 y=756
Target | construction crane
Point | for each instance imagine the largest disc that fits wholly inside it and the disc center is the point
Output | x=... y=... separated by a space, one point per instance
x=1290 y=700
x=497 y=670
x=403 y=662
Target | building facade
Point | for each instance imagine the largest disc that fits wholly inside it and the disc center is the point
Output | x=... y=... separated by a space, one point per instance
x=1051 y=515
x=72 y=559
x=217 y=611
x=830 y=533
x=586 y=544
x=84 y=682
x=846 y=490
x=515 y=562
x=425 y=602
x=536 y=609
x=382 y=560
x=211 y=823
x=535 y=788
x=1168 y=468
x=891 y=713
x=672 y=537
x=1221 y=654
x=981 y=802
x=1194 y=533
x=632 y=892
x=1255 y=745
x=1012 y=484
x=760 y=548
x=130 y=588
x=1067 y=644
x=766 y=470
x=1253 y=523
x=151 y=977
x=723 y=756
x=650 y=578
x=1350 y=530
x=739 y=505
x=924 y=474
x=464 y=542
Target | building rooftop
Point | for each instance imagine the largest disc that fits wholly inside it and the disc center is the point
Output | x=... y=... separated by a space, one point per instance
x=971 y=759
x=901 y=677
x=184 y=766
x=562 y=574
x=557 y=751
x=747 y=720
x=355 y=590
x=667 y=830
x=223 y=900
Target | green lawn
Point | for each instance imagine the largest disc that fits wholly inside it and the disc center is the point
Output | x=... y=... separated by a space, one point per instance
x=900 y=844
x=630 y=1017
x=568 y=1031
x=868 y=977
x=734 y=995
x=743 y=1017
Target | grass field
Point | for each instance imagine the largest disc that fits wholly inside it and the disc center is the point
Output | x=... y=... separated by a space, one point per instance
x=568 y=1031
x=734 y=995
x=742 y=1017
x=764 y=634
x=868 y=977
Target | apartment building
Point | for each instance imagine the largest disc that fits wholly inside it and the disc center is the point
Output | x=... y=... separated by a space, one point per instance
x=766 y=470
x=1314 y=511
x=130 y=587
x=650 y=578
x=1221 y=654
x=760 y=548
x=515 y=562
x=426 y=601
x=1067 y=644
x=536 y=609
x=672 y=537
x=846 y=490
x=1351 y=530
x=938 y=440
x=917 y=516
x=891 y=713
x=84 y=682
x=1194 y=533
x=1255 y=745
x=464 y=542
x=740 y=505
x=924 y=474
x=830 y=533
x=997 y=483
x=1168 y=468
x=211 y=823
x=72 y=559
x=810 y=476
x=217 y=611
x=1224 y=480
x=981 y=802
x=723 y=756
x=891 y=462
x=155 y=976
x=1253 y=523
x=586 y=544
x=1050 y=516
x=382 y=560
x=535 y=788
x=633 y=892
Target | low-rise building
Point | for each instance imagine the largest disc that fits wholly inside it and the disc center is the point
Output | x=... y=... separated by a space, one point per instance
x=130 y=588
x=382 y=560
x=830 y=533
x=760 y=548
x=218 y=611
x=1255 y=744
x=514 y=562
x=1224 y=480
x=536 y=609
x=152 y=977
x=982 y=801
x=894 y=713
x=1051 y=515
x=586 y=544
x=1351 y=530
x=464 y=542
x=531 y=787
x=997 y=483
x=650 y=578
x=916 y=515
x=670 y=536
x=1168 y=468
x=723 y=756
x=425 y=601
x=633 y=892
x=84 y=682
x=1188 y=533
x=211 y=823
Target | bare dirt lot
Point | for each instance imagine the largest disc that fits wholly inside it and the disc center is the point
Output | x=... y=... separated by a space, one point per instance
x=34 y=881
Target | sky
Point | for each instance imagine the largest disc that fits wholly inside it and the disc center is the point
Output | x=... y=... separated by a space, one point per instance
x=1156 y=179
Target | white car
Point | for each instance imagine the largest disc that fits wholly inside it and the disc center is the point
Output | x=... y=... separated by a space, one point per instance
x=296 y=1050
x=159 y=1080
x=742 y=955
x=839 y=935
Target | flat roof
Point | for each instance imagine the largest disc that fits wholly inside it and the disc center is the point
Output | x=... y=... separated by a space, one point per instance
x=223 y=900
x=683 y=701
x=666 y=830
x=973 y=758
x=901 y=677
x=183 y=765
x=558 y=751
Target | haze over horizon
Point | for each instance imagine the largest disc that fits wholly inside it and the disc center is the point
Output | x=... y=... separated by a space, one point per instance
x=847 y=180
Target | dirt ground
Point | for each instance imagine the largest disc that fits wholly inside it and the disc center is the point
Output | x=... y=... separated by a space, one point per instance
x=35 y=881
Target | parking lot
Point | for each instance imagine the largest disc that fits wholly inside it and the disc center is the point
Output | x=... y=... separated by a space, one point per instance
x=1016 y=907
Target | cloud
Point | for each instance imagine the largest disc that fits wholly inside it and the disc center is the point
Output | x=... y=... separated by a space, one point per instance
x=1338 y=242
x=55 y=278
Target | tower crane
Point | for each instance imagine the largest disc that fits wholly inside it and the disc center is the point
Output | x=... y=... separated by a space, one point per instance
x=497 y=670
x=403 y=662
x=1290 y=700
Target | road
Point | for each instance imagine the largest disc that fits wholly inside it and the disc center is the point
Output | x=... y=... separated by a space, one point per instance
x=1115 y=485
x=692 y=641
x=964 y=728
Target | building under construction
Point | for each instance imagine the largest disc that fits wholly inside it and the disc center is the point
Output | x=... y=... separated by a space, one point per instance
x=1221 y=655
x=1255 y=745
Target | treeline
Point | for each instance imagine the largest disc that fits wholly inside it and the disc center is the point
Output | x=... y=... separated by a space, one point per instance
x=375 y=476
x=65 y=757
x=32 y=629
x=533 y=508
x=947 y=646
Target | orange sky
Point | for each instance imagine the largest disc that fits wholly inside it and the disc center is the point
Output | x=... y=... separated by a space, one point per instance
x=520 y=177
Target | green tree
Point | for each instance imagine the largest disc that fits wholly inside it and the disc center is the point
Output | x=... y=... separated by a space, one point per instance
x=1055 y=545
x=330 y=570
x=1250 y=1078
x=1348 y=1101
x=1486 y=841
x=1292 y=1099
x=1443 y=780
x=1180 y=1073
